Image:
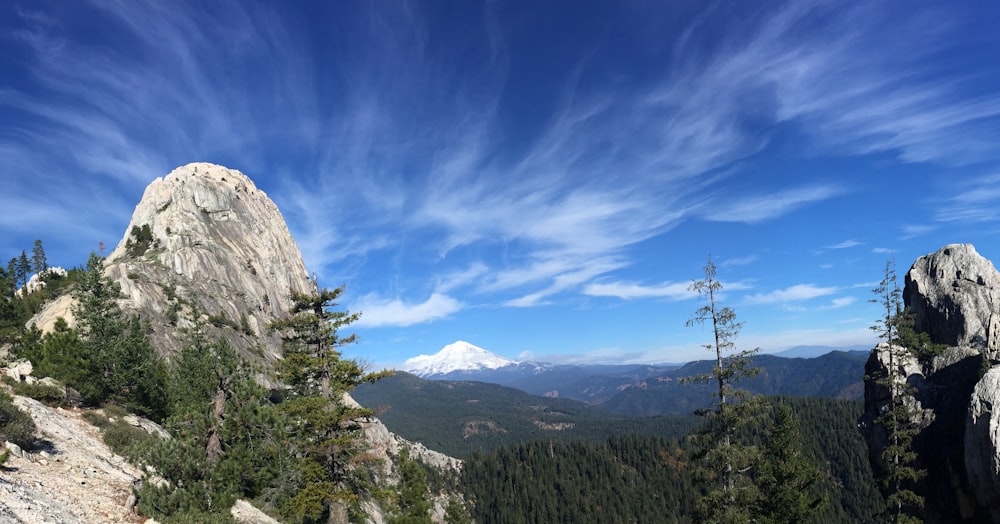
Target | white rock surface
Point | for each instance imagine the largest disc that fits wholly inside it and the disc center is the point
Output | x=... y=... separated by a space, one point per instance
x=953 y=294
x=19 y=369
x=219 y=243
x=982 y=442
x=79 y=480
x=246 y=513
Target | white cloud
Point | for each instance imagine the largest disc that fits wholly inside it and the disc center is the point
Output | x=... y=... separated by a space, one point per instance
x=380 y=312
x=915 y=230
x=630 y=290
x=840 y=302
x=761 y=207
x=977 y=200
x=845 y=244
x=796 y=293
x=738 y=261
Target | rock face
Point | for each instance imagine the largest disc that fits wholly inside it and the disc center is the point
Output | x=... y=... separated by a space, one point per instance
x=953 y=295
x=205 y=243
x=214 y=242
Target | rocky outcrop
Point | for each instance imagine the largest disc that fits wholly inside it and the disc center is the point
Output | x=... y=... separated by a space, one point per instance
x=953 y=295
x=72 y=477
x=205 y=243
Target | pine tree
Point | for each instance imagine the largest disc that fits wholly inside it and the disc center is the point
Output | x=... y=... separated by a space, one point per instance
x=414 y=506
x=903 y=504
x=38 y=260
x=330 y=474
x=728 y=460
x=223 y=447
x=123 y=365
x=22 y=269
x=788 y=480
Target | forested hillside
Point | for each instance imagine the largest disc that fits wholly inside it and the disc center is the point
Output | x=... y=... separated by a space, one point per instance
x=458 y=418
x=632 y=478
x=837 y=374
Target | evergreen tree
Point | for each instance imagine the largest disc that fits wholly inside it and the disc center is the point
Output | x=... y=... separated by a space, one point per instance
x=329 y=475
x=22 y=270
x=903 y=504
x=122 y=364
x=728 y=460
x=63 y=356
x=788 y=479
x=414 y=506
x=38 y=260
x=224 y=446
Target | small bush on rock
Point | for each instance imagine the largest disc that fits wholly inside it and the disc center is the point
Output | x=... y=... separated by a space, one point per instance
x=15 y=425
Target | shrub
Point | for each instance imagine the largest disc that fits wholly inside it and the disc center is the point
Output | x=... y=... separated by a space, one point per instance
x=127 y=440
x=45 y=393
x=15 y=425
x=96 y=419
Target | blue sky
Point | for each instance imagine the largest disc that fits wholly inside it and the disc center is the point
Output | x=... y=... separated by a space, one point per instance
x=542 y=179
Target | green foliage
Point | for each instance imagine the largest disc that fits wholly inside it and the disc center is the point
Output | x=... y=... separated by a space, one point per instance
x=899 y=483
x=127 y=440
x=47 y=394
x=727 y=461
x=626 y=479
x=139 y=241
x=325 y=431
x=789 y=480
x=15 y=425
x=120 y=363
x=38 y=260
x=919 y=343
x=456 y=512
x=228 y=442
x=636 y=478
x=413 y=504
x=95 y=419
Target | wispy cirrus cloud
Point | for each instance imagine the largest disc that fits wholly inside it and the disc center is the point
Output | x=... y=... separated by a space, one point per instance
x=975 y=200
x=796 y=293
x=761 y=207
x=845 y=244
x=380 y=312
x=630 y=290
x=405 y=149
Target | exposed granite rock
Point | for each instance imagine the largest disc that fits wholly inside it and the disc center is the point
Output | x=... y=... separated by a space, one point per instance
x=204 y=241
x=982 y=443
x=953 y=294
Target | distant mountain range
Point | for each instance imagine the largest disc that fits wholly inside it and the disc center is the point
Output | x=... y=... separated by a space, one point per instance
x=473 y=400
x=459 y=418
x=642 y=389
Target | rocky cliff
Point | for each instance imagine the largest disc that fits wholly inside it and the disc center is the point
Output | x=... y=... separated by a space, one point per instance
x=953 y=295
x=205 y=245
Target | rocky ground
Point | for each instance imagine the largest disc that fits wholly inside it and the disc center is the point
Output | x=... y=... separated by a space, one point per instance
x=72 y=477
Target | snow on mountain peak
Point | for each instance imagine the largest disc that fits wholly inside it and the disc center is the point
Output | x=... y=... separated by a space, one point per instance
x=458 y=356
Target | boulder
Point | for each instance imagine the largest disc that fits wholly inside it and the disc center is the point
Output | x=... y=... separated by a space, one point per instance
x=952 y=293
x=20 y=369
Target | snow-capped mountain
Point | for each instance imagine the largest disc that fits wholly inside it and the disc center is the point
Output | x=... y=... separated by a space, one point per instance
x=460 y=356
